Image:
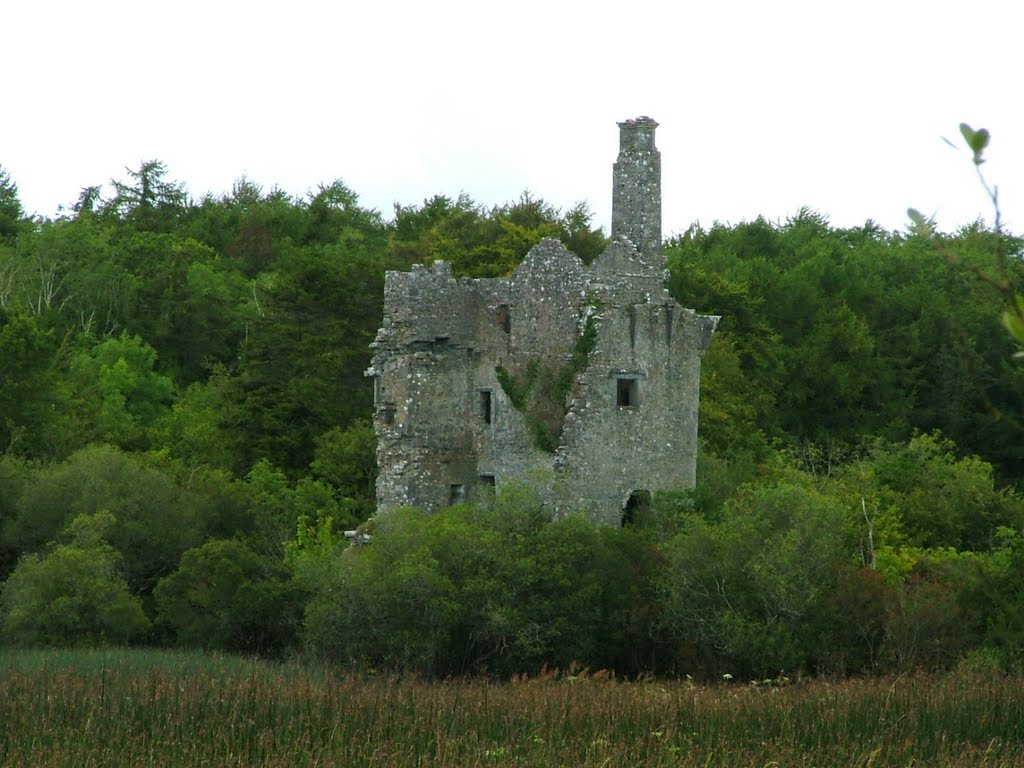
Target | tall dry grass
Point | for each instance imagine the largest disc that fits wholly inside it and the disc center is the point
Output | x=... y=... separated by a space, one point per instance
x=153 y=709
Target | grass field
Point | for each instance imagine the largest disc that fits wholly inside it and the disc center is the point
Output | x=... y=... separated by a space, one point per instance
x=141 y=708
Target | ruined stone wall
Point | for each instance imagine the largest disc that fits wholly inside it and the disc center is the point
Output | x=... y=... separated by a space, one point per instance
x=421 y=357
x=613 y=446
x=444 y=340
x=437 y=355
x=447 y=429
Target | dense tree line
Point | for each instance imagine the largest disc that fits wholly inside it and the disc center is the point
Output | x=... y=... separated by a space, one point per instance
x=184 y=434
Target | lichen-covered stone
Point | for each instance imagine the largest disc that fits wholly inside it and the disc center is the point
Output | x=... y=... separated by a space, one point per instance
x=605 y=367
x=636 y=187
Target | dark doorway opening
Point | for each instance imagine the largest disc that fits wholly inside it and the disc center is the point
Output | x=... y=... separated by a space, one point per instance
x=637 y=507
x=456 y=494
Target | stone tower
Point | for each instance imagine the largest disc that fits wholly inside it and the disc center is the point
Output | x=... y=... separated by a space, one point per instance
x=636 y=187
x=465 y=370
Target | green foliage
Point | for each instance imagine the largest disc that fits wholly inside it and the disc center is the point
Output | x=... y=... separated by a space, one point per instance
x=896 y=550
x=748 y=590
x=27 y=383
x=518 y=392
x=278 y=506
x=301 y=372
x=832 y=529
x=1013 y=319
x=224 y=596
x=252 y=228
x=393 y=604
x=940 y=500
x=12 y=214
x=586 y=597
x=311 y=553
x=977 y=140
x=1000 y=597
x=14 y=476
x=830 y=335
x=334 y=213
x=116 y=384
x=74 y=594
x=156 y=519
x=480 y=243
x=201 y=429
x=581 y=353
x=193 y=304
x=731 y=406
x=147 y=200
x=347 y=459
x=500 y=588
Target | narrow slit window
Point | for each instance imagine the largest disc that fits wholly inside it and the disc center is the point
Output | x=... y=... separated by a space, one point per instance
x=504 y=318
x=486 y=406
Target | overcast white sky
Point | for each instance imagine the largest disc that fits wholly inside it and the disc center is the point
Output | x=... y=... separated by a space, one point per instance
x=764 y=106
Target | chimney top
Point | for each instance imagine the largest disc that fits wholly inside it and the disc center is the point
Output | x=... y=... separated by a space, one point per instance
x=636 y=188
x=637 y=133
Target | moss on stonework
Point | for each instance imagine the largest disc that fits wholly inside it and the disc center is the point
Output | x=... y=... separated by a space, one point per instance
x=541 y=394
x=518 y=391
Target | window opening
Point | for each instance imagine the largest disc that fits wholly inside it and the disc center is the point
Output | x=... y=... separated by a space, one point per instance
x=488 y=481
x=457 y=494
x=627 y=391
x=486 y=412
x=504 y=318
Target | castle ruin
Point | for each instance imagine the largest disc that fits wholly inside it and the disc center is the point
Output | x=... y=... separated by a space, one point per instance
x=582 y=382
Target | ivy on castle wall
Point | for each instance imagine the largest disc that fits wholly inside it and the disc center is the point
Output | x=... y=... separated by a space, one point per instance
x=541 y=392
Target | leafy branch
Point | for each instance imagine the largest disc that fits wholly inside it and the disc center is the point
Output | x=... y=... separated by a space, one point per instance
x=1013 y=316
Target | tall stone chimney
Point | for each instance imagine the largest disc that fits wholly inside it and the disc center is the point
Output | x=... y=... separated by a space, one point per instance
x=636 y=187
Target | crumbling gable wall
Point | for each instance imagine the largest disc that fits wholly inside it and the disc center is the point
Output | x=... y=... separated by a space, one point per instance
x=632 y=427
x=445 y=425
x=582 y=382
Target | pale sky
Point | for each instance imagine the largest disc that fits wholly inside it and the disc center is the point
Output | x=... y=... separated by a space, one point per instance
x=764 y=106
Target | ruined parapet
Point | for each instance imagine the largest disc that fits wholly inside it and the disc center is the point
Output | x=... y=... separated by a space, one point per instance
x=636 y=187
x=424 y=305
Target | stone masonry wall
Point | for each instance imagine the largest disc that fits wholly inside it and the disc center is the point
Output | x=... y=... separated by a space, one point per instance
x=636 y=187
x=448 y=431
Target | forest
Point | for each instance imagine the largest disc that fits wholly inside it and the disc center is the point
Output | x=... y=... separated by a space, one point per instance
x=185 y=433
